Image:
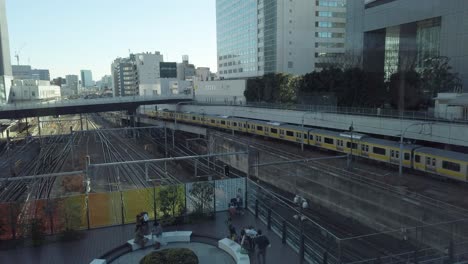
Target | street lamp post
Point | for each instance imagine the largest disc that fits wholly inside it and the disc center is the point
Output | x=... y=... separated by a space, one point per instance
x=302 y=126
x=175 y=123
x=351 y=129
x=402 y=135
x=302 y=204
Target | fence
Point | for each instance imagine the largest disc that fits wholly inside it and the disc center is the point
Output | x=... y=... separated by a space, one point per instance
x=378 y=112
x=96 y=210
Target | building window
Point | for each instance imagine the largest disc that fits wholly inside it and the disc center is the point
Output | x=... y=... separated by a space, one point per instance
x=331 y=3
x=324 y=24
x=290 y=64
x=330 y=14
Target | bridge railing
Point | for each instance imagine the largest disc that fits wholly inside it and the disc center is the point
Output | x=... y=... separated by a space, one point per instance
x=429 y=115
x=93 y=101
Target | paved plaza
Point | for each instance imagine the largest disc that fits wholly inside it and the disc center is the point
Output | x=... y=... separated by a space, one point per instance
x=97 y=242
x=207 y=254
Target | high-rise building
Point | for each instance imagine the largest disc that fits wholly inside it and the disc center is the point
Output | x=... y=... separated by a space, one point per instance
x=5 y=60
x=106 y=82
x=25 y=72
x=145 y=74
x=22 y=72
x=124 y=77
x=40 y=74
x=185 y=70
x=72 y=83
x=256 y=37
x=203 y=74
x=86 y=79
x=394 y=34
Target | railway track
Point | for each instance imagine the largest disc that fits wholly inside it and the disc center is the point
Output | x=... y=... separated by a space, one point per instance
x=117 y=148
x=361 y=248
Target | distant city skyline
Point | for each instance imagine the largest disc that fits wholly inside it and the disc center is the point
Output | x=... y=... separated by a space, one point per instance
x=87 y=34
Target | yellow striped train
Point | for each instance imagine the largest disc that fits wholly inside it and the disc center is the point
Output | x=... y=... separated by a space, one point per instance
x=440 y=162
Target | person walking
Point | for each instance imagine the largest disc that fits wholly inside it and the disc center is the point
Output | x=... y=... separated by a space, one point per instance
x=262 y=243
x=157 y=232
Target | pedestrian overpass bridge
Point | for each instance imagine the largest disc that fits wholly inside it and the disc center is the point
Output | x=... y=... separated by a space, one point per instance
x=78 y=106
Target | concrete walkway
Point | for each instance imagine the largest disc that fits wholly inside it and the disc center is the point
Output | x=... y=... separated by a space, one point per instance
x=206 y=254
x=96 y=242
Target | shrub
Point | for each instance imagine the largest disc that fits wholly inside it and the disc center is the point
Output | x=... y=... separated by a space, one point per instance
x=171 y=256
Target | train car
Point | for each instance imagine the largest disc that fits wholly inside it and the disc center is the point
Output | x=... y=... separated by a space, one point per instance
x=387 y=151
x=239 y=124
x=436 y=161
x=441 y=162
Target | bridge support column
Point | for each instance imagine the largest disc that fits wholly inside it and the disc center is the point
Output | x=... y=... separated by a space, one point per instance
x=81 y=121
x=39 y=126
x=132 y=123
x=27 y=127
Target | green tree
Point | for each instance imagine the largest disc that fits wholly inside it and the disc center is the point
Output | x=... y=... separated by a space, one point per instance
x=437 y=77
x=405 y=90
x=202 y=197
x=171 y=200
x=354 y=90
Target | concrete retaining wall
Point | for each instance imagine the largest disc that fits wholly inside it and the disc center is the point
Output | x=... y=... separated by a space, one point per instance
x=440 y=132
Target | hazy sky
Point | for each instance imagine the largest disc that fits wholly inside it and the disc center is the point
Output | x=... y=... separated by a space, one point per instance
x=68 y=35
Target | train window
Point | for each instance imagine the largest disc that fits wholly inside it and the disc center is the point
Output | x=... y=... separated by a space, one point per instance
x=244 y=125
x=234 y=123
x=397 y=154
x=193 y=118
x=363 y=147
x=355 y=145
x=380 y=151
x=259 y=128
x=212 y=121
x=248 y=126
x=311 y=137
x=274 y=130
x=223 y=122
x=289 y=133
x=407 y=156
x=305 y=136
x=328 y=140
x=417 y=159
x=433 y=162
x=450 y=166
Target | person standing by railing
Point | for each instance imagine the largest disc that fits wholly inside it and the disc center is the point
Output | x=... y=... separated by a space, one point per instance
x=262 y=243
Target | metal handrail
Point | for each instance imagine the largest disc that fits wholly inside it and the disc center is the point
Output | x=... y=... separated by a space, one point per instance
x=377 y=112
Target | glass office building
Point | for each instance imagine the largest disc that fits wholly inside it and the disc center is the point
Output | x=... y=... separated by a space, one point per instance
x=256 y=37
x=237 y=29
x=393 y=35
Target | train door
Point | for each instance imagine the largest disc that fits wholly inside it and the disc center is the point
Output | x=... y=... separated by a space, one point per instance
x=430 y=164
x=365 y=150
x=281 y=135
x=395 y=156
